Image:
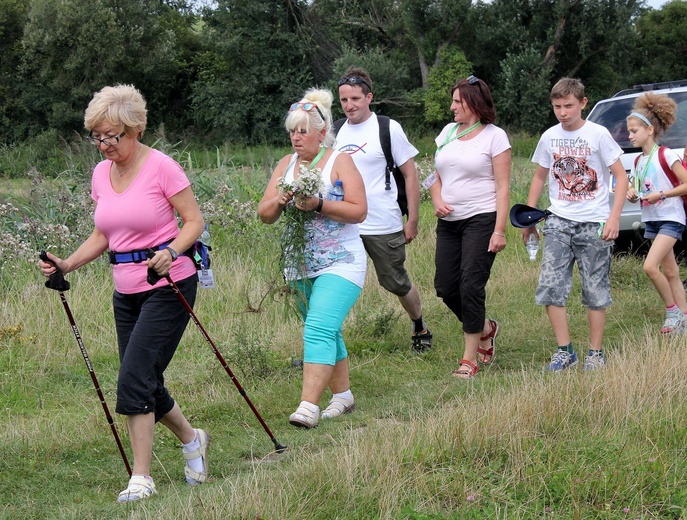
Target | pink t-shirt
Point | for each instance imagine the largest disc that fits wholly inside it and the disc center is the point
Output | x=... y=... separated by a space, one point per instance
x=140 y=217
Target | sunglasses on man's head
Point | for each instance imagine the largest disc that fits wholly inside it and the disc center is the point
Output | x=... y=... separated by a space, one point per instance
x=354 y=81
x=308 y=107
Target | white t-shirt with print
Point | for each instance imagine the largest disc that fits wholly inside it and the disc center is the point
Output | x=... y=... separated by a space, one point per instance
x=467 y=172
x=579 y=174
x=654 y=178
x=362 y=143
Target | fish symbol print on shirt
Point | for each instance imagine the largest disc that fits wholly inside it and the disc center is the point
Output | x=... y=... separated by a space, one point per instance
x=351 y=149
x=576 y=180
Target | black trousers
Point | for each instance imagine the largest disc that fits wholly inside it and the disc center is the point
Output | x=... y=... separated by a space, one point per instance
x=149 y=328
x=463 y=265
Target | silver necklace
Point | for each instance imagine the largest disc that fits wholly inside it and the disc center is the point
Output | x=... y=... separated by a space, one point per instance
x=121 y=173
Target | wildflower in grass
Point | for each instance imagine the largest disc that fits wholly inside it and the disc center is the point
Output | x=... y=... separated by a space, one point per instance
x=471 y=498
x=626 y=510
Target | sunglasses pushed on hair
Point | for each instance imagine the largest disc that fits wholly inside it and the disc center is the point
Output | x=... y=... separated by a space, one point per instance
x=307 y=106
x=354 y=81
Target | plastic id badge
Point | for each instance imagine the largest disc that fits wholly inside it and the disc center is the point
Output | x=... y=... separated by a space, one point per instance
x=206 y=279
x=431 y=179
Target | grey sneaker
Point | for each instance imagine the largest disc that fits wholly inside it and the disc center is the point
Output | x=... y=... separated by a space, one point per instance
x=595 y=360
x=561 y=360
x=674 y=323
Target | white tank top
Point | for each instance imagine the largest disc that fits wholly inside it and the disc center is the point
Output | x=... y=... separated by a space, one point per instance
x=330 y=246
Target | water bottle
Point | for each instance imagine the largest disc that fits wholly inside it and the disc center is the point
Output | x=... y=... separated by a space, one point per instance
x=532 y=246
x=336 y=192
x=205 y=236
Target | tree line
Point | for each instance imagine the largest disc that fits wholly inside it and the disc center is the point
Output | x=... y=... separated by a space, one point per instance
x=225 y=71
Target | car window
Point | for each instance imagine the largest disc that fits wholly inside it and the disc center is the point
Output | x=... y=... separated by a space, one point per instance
x=613 y=113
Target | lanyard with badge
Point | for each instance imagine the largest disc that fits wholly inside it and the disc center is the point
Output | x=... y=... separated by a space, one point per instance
x=639 y=177
x=453 y=135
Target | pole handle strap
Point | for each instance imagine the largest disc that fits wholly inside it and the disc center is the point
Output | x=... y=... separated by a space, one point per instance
x=56 y=280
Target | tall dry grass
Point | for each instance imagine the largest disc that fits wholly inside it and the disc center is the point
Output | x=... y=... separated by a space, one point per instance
x=511 y=443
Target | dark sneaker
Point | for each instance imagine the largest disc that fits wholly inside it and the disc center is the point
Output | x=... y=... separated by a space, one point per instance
x=561 y=360
x=422 y=341
x=595 y=360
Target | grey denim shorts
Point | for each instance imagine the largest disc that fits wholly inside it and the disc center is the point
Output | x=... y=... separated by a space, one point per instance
x=567 y=243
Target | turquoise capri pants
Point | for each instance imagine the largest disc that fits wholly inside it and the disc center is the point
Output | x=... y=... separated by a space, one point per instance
x=324 y=304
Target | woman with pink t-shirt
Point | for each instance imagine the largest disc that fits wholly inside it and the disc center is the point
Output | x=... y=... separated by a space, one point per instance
x=137 y=191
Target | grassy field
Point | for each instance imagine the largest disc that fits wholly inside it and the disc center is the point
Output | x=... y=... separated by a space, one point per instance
x=510 y=443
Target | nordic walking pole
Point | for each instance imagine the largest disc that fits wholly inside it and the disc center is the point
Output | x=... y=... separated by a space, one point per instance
x=58 y=283
x=153 y=278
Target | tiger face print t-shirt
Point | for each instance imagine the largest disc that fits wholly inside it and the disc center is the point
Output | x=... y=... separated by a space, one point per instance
x=579 y=175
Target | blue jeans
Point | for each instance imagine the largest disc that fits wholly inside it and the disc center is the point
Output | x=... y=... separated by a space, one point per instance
x=325 y=303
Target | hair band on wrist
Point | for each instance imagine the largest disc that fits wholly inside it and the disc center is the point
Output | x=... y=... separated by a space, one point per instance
x=319 y=203
x=500 y=234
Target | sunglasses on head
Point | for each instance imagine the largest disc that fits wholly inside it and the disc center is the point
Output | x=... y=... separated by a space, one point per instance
x=354 y=81
x=308 y=107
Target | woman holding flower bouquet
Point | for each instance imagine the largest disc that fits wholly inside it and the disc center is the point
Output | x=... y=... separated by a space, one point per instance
x=324 y=258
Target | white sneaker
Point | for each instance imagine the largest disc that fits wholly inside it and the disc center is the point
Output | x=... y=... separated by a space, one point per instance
x=336 y=407
x=303 y=418
x=139 y=487
x=595 y=360
x=674 y=323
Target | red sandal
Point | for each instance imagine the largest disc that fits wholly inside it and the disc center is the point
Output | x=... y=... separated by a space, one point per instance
x=466 y=370
x=491 y=338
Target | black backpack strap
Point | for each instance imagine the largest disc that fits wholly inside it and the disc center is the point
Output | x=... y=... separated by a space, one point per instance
x=336 y=125
x=385 y=141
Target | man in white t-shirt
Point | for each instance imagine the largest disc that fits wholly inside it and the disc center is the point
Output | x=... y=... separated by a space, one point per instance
x=383 y=232
x=577 y=157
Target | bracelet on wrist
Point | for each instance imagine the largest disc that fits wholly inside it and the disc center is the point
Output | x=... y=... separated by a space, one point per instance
x=500 y=234
x=320 y=202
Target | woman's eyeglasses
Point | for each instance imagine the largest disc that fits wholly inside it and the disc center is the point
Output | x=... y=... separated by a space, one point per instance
x=354 y=81
x=108 y=141
x=308 y=107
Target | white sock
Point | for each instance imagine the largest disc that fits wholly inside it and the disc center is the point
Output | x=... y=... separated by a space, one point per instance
x=197 y=463
x=344 y=395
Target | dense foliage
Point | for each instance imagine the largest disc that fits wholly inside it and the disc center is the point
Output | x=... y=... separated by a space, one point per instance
x=223 y=71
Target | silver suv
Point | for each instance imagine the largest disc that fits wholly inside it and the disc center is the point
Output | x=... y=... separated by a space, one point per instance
x=611 y=113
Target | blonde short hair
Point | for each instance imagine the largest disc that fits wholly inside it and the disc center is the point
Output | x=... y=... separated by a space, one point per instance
x=122 y=106
x=299 y=118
